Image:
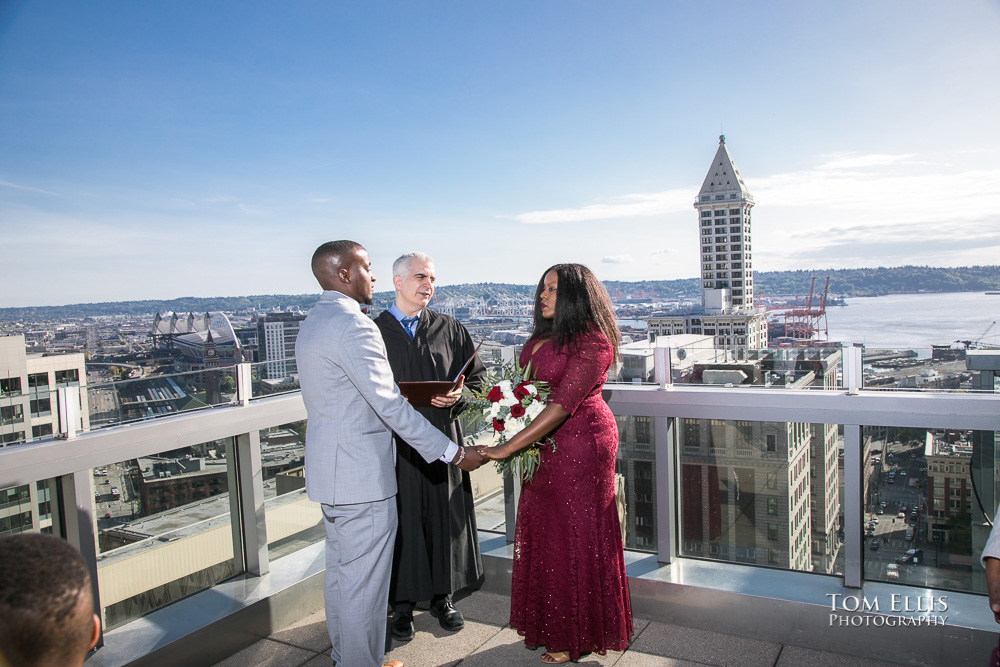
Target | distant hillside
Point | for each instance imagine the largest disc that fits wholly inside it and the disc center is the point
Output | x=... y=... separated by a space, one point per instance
x=843 y=282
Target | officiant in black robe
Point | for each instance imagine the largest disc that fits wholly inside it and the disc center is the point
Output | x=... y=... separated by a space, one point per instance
x=437 y=549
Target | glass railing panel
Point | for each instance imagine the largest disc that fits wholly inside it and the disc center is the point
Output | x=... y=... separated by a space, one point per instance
x=761 y=493
x=635 y=480
x=941 y=368
x=269 y=378
x=795 y=364
x=164 y=528
x=293 y=521
x=152 y=396
x=930 y=499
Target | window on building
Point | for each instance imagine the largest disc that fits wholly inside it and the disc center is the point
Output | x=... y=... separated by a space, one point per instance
x=38 y=380
x=734 y=230
x=41 y=407
x=10 y=386
x=772 y=480
x=734 y=211
x=772 y=506
x=11 y=414
x=41 y=430
x=706 y=214
x=15 y=438
x=772 y=531
x=770 y=442
x=720 y=213
x=722 y=239
x=71 y=376
x=643 y=430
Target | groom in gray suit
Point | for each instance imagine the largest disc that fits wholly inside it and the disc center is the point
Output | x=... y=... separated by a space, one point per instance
x=353 y=407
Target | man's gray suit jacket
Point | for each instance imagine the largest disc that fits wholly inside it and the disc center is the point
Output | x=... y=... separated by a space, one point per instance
x=353 y=406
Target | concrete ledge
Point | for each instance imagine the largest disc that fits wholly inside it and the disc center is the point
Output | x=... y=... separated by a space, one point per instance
x=767 y=605
x=211 y=625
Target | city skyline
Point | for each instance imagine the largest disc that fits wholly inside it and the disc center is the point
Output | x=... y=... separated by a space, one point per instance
x=153 y=152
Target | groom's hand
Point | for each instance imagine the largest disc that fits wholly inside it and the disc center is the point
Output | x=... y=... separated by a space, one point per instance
x=473 y=459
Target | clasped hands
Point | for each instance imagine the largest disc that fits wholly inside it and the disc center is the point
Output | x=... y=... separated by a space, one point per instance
x=477 y=456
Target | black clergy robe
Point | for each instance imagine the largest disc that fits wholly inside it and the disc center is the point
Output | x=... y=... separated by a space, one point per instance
x=437 y=548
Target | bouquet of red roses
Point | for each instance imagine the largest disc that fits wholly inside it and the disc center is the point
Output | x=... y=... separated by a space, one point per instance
x=509 y=401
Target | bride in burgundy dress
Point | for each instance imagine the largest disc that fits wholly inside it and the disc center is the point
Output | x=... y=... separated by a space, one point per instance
x=569 y=591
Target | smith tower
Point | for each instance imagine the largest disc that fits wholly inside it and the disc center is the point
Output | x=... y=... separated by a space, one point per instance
x=723 y=206
x=727 y=312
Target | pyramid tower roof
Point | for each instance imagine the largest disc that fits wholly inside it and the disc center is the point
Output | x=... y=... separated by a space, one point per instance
x=723 y=178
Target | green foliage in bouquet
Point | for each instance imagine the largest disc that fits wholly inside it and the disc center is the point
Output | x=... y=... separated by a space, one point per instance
x=509 y=400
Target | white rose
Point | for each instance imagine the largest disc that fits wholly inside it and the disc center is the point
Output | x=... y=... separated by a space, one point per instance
x=512 y=427
x=530 y=388
x=507 y=401
x=533 y=409
x=493 y=411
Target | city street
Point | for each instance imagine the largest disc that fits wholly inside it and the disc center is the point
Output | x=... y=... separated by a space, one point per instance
x=895 y=479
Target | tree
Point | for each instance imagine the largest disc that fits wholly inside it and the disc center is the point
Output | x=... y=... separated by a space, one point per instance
x=960 y=533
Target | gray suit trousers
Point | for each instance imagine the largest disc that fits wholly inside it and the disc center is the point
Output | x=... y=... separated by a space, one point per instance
x=359 y=543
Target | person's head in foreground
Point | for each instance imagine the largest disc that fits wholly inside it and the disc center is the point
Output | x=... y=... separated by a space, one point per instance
x=47 y=614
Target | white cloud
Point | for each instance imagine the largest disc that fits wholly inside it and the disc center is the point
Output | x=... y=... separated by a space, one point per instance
x=618 y=259
x=627 y=206
x=28 y=188
x=855 y=160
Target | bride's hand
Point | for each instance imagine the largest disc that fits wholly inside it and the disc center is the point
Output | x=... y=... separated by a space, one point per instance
x=498 y=453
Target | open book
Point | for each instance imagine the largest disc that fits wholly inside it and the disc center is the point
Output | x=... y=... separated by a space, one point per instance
x=419 y=394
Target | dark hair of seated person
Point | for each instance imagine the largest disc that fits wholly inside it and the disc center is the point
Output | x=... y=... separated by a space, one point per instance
x=46 y=603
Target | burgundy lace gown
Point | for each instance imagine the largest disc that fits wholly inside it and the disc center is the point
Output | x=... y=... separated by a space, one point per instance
x=569 y=591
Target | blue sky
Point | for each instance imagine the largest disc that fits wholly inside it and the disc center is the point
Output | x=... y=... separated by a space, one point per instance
x=158 y=150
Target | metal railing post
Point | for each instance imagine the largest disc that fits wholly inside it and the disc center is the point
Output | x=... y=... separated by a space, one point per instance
x=244 y=383
x=246 y=476
x=662 y=369
x=853 y=378
x=69 y=411
x=667 y=484
x=853 y=507
x=74 y=507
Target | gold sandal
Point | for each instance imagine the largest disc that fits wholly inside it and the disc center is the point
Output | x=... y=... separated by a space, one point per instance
x=555 y=657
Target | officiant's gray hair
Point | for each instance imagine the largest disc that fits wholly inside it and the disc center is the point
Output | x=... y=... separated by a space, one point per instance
x=402 y=265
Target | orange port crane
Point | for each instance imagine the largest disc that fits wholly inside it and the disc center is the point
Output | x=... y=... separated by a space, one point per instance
x=804 y=323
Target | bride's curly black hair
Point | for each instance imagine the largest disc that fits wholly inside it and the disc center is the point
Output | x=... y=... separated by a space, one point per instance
x=581 y=303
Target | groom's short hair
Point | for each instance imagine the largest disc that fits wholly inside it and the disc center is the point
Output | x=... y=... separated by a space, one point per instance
x=46 y=602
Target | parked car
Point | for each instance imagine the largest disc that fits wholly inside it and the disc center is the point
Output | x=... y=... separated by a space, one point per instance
x=892 y=571
x=901 y=515
x=874 y=545
x=880 y=510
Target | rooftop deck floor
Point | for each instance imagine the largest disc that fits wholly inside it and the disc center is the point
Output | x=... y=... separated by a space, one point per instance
x=487 y=640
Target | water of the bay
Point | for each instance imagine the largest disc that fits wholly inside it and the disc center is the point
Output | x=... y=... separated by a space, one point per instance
x=916 y=321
